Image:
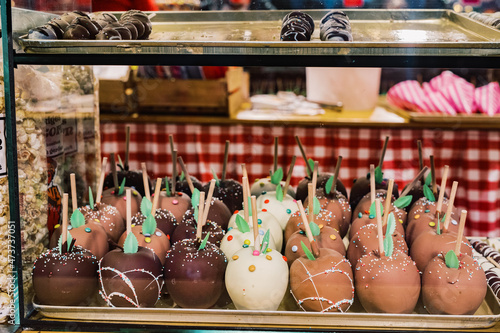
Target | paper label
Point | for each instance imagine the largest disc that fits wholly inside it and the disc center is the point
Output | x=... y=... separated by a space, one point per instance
x=53 y=136
x=70 y=140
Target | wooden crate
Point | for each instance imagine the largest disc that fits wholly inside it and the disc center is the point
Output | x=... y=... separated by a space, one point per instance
x=222 y=97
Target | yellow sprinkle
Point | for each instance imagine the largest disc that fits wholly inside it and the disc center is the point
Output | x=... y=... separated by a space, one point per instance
x=251 y=268
x=321 y=226
x=147 y=240
x=400 y=221
x=97 y=220
x=269 y=249
x=332 y=236
x=134 y=192
x=432 y=224
x=417 y=217
x=235 y=257
x=268 y=257
x=246 y=242
x=132 y=225
x=57 y=226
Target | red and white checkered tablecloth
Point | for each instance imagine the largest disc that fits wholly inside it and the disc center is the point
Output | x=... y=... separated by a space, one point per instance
x=473 y=156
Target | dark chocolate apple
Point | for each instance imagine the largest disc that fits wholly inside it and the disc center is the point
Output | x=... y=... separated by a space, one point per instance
x=187 y=230
x=230 y=192
x=320 y=184
x=118 y=200
x=361 y=187
x=176 y=204
x=107 y=216
x=165 y=221
x=181 y=184
x=156 y=241
x=65 y=279
x=194 y=277
x=130 y=279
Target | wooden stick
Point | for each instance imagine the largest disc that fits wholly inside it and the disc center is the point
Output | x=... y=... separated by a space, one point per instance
x=127 y=147
x=156 y=196
x=145 y=180
x=245 y=199
x=245 y=174
x=129 y=210
x=74 y=200
x=382 y=155
x=186 y=174
x=199 y=224
x=224 y=165
x=275 y=153
x=372 y=183
x=379 y=228
x=433 y=175
x=414 y=181
x=447 y=219
x=310 y=204
x=64 y=230
x=255 y=220
x=490 y=259
x=171 y=140
x=208 y=201
x=336 y=175
x=420 y=157
x=302 y=151
x=113 y=171
x=442 y=190
x=460 y=235
x=388 y=200
x=173 y=192
x=101 y=179
x=315 y=177
x=307 y=228
x=289 y=175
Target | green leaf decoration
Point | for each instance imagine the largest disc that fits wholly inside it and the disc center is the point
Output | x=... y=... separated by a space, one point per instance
x=328 y=185
x=195 y=198
x=451 y=259
x=167 y=187
x=315 y=230
x=311 y=164
x=306 y=250
x=316 y=206
x=373 y=212
x=120 y=162
x=69 y=240
x=279 y=193
x=242 y=224
x=122 y=186
x=77 y=219
x=146 y=206
x=204 y=242
x=130 y=245
x=217 y=181
x=249 y=207
x=91 y=199
x=444 y=217
x=196 y=212
x=277 y=176
x=428 y=193
x=265 y=242
x=428 y=179
x=388 y=243
x=379 y=175
x=149 y=225
x=182 y=176
x=403 y=202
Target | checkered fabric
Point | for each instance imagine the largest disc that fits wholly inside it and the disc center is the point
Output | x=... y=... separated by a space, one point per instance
x=473 y=156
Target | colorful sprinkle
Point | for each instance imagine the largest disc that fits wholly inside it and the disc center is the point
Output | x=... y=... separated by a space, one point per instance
x=88 y=230
x=320 y=226
x=264 y=210
x=294 y=248
x=289 y=211
x=158 y=234
x=360 y=215
x=256 y=253
x=175 y=202
x=147 y=240
x=97 y=220
x=268 y=257
x=57 y=226
x=251 y=268
x=244 y=246
x=230 y=237
x=432 y=224
x=269 y=249
x=266 y=201
x=246 y=242
x=401 y=221
x=259 y=221
x=371 y=216
x=417 y=217
x=284 y=258
x=427 y=211
x=235 y=257
x=333 y=237
x=261 y=184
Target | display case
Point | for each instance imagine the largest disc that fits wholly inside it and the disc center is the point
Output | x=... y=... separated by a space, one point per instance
x=383 y=38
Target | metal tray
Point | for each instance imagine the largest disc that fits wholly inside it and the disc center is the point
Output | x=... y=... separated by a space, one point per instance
x=375 y=33
x=486 y=316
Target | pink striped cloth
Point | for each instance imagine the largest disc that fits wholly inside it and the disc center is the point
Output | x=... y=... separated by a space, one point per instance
x=446 y=93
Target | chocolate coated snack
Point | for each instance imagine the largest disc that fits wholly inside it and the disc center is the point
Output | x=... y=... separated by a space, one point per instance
x=297 y=26
x=43 y=32
x=335 y=26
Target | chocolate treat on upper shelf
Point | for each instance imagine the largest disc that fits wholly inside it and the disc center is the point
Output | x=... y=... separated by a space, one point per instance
x=43 y=32
x=82 y=28
x=137 y=15
x=108 y=34
x=295 y=29
x=70 y=16
x=335 y=26
x=103 y=18
x=121 y=29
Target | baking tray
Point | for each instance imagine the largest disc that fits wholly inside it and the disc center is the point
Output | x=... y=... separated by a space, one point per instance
x=375 y=32
x=486 y=316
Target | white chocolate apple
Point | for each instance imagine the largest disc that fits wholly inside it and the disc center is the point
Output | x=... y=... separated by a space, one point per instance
x=257 y=281
x=235 y=240
x=263 y=185
x=266 y=221
x=282 y=210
